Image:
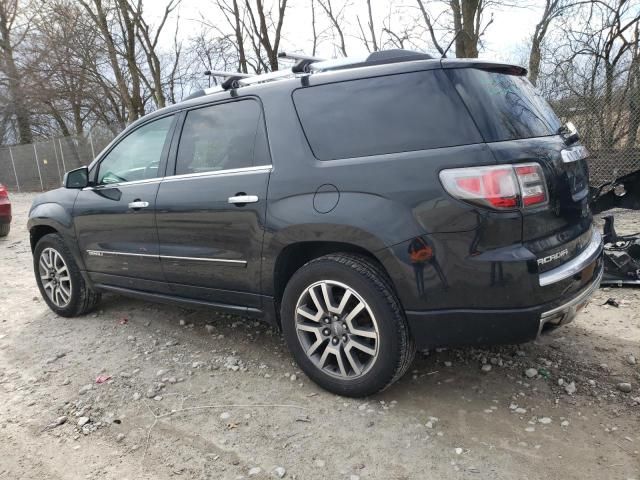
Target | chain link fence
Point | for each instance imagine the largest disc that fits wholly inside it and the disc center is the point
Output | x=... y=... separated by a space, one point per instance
x=40 y=166
x=608 y=126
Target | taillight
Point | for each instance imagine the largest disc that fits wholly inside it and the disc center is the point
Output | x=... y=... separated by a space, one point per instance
x=501 y=187
x=4 y=193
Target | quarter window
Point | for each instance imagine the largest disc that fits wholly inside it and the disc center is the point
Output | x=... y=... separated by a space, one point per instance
x=221 y=137
x=379 y=115
x=138 y=155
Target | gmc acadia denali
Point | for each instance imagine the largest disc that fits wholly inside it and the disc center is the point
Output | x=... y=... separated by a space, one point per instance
x=365 y=207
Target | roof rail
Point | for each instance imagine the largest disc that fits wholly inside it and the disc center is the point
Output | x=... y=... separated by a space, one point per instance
x=231 y=78
x=299 y=56
x=307 y=64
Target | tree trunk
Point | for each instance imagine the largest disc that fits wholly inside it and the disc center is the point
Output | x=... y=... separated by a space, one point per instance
x=7 y=61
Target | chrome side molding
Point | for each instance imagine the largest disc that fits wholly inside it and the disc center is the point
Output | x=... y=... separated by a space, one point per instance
x=225 y=261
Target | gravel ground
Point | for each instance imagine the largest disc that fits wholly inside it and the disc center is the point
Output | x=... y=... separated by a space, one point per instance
x=192 y=394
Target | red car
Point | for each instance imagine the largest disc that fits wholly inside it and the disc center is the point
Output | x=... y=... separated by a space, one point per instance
x=5 y=211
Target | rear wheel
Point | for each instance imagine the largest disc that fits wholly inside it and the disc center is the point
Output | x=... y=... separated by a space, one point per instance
x=4 y=229
x=344 y=325
x=59 y=279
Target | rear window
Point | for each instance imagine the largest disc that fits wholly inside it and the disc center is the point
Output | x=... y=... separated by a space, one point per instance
x=505 y=107
x=390 y=114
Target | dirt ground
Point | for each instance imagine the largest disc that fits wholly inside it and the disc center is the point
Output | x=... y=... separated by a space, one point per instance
x=193 y=394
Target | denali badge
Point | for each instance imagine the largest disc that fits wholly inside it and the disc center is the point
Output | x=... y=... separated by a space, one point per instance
x=555 y=256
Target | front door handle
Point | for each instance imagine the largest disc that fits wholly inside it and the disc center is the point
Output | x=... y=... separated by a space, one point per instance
x=137 y=204
x=243 y=199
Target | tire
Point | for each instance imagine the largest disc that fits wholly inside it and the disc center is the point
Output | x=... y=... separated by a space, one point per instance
x=370 y=346
x=74 y=297
x=4 y=229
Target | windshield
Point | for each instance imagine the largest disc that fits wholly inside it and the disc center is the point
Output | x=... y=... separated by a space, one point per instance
x=505 y=107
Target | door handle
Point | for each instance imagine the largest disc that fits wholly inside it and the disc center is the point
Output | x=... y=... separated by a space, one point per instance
x=137 y=204
x=243 y=199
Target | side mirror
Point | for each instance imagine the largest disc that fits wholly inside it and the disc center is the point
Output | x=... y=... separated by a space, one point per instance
x=78 y=178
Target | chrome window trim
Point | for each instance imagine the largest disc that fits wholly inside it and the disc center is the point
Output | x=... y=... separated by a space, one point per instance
x=125 y=184
x=170 y=178
x=576 y=264
x=220 y=173
x=100 y=253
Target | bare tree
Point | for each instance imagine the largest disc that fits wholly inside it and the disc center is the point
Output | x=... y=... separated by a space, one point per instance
x=336 y=18
x=11 y=36
x=430 y=24
x=370 y=43
x=552 y=10
x=261 y=21
x=148 y=41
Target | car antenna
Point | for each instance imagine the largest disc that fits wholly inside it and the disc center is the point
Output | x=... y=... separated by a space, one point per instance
x=444 y=54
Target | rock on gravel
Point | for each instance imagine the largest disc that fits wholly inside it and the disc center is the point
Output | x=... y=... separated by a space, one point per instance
x=225 y=416
x=82 y=421
x=531 y=372
x=570 y=388
x=57 y=422
x=255 y=471
x=624 y=387
x=486 y=368
x=279 y=472
x=631 y=360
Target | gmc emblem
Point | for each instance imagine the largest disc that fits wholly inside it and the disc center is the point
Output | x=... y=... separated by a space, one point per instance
x=552 y=257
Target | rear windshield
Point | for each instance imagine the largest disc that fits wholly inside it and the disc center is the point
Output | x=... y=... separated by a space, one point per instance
x=505 y=107
x=381 y=115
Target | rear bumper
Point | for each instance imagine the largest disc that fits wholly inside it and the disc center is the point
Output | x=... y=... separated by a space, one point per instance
x=500 y=326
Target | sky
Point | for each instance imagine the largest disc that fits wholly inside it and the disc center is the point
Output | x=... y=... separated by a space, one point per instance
x=504 y=39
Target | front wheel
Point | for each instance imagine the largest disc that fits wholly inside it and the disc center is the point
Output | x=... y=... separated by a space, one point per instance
x=344 y=325
x=59 y=279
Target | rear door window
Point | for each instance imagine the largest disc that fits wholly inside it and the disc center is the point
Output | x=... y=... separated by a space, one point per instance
x=221 y=137
x=504 y=106
x=380 y=115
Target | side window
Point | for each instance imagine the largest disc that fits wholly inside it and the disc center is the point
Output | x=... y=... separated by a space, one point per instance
x=380 y=115
x=137 y=156
x=220 y=137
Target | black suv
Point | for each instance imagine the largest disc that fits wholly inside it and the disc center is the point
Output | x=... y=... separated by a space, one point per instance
x=365 y=207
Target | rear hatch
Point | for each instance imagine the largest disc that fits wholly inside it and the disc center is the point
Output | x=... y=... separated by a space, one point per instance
x=519 y=126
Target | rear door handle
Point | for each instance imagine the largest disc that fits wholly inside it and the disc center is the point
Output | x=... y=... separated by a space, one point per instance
x=242 y=199
x=137 y=204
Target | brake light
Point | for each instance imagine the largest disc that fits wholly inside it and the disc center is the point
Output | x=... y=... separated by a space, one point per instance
x=4 y=193
x=502 y=187
x=533 y=188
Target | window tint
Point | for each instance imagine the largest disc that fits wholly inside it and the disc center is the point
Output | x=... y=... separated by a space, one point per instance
x=223 y=136
x=505 y=107
x=396 y=113
x=138 y=155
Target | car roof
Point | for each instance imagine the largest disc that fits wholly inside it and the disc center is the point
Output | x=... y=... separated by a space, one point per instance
x=345 y=72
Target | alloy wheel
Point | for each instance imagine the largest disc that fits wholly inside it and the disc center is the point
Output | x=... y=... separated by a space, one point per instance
x=337 y=329
x=55 y=277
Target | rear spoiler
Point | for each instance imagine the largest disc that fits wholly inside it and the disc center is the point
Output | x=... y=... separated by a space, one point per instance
x=487 y=65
